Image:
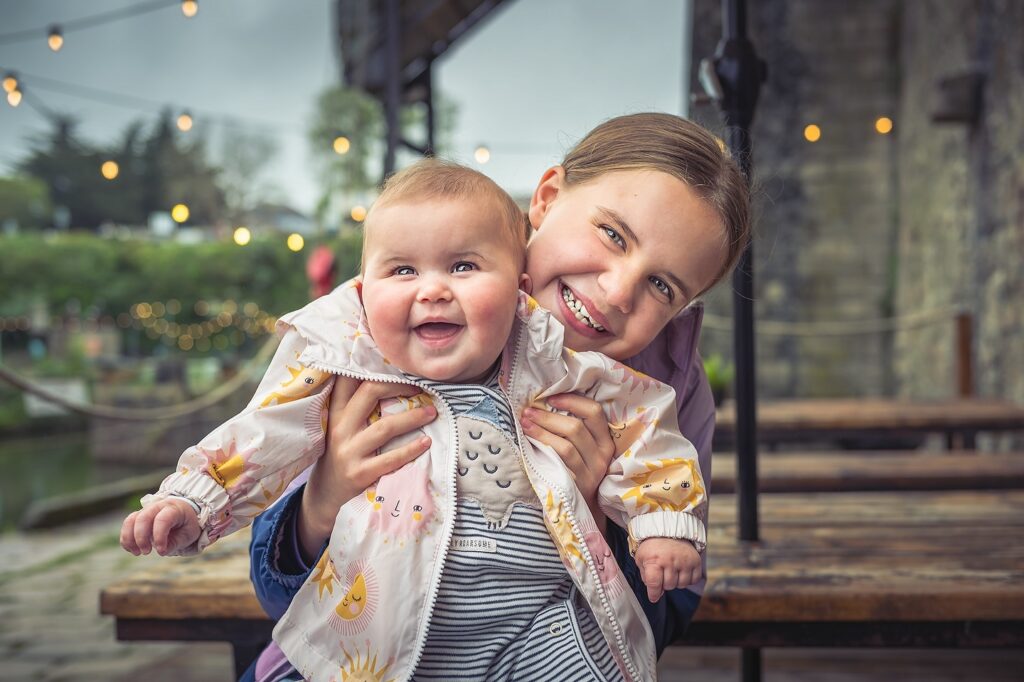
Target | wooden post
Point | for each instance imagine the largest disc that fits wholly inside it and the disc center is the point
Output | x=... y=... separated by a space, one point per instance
x=964 y=373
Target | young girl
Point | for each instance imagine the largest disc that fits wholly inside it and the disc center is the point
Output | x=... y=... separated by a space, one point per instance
x=644 y=214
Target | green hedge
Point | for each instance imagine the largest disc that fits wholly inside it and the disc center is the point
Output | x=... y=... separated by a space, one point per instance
x=108 y=276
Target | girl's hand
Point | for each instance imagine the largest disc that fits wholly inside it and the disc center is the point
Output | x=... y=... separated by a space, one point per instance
x=351 y=463
x=580 y=438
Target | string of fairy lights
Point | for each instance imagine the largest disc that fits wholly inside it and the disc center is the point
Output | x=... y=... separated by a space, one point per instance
x=225 y=323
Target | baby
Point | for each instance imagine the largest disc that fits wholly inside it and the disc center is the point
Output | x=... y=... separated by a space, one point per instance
x=465 y=558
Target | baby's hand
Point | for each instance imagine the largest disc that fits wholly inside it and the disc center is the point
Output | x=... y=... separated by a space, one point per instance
x=167 y=525
x=666 y=564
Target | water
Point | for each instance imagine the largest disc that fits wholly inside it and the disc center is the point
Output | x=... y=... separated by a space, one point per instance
x=37 y=467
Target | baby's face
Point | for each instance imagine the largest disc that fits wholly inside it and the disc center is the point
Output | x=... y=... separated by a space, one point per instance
x=440 y=283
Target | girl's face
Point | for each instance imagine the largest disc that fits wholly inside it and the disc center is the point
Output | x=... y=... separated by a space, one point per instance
x=615 y=258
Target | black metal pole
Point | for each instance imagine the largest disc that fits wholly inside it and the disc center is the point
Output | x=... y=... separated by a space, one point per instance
x=740 y=74
x=393 y=85
x=429 y=79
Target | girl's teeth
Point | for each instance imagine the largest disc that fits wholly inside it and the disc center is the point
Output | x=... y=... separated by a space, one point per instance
x=582 y=314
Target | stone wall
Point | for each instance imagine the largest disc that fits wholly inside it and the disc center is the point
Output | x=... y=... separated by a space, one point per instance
x=826 y=220
x=962 y=194
x=860 y=226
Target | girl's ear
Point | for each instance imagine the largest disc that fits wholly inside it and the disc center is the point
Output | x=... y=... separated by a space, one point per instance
x=551 y=183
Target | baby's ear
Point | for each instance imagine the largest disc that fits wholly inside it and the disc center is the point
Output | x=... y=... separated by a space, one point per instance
x=525 y=283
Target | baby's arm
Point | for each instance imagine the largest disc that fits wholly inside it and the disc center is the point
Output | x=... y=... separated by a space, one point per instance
x=241 y=467
x=667 y=564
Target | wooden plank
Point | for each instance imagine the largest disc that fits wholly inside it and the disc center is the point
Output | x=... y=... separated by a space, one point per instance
x=822 y=417
x=950 y=557
x=856 y=470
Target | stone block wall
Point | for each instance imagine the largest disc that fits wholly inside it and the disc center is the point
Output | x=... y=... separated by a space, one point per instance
x=962 y=193
x=826 y=222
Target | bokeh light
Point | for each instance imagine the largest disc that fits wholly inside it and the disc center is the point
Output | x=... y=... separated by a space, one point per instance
x=812 y=133
x=295 y=241
x=180 y=213
x=242 y=236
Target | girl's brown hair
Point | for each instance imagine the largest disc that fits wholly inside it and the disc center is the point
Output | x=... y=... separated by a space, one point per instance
x=673 y=145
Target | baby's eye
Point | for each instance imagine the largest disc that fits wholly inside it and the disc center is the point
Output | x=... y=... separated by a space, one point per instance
x=463 y=266
x=663 y=288
x=405 y=270
x=614 y=236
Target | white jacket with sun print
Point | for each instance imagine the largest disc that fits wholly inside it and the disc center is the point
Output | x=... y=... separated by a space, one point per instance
x=366 y=607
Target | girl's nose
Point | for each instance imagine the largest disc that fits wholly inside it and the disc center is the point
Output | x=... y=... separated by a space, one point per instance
x=619 y=286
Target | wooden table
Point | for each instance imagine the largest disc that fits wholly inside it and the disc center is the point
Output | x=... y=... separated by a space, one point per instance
x=913 y=569
x=866 y=470
x=801 y=420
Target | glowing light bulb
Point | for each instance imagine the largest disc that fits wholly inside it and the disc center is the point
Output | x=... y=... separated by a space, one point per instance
x=482 y=154
x=110 y=169
x=14 y=98
x=812 y=133
x=189 y=8
x=358 y=213
x=242 y=236
x=180 y=213
x=10 y=82
x=55 y=39
x=295 y=241
x=883 y=125
x=342 y=144
x=185 y=122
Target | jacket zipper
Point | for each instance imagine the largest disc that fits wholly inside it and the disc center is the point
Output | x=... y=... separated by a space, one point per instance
x=449 y=527
x=588 y=558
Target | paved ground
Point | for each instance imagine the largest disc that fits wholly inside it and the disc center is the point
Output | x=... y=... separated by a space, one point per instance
x=51 y=630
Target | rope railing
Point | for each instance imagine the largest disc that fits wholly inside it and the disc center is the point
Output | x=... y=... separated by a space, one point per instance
x=913 y=320
x=150 y=413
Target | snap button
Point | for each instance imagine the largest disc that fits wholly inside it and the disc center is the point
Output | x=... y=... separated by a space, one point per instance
x=555 y=629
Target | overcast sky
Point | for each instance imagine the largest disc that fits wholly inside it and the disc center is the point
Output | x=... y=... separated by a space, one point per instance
x=528 y=81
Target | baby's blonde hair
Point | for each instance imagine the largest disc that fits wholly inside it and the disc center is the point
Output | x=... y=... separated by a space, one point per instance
x=438 y=179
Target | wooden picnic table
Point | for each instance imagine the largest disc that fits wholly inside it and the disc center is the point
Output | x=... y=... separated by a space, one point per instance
x=828 y=418
x=864 y=470
x=906 y=569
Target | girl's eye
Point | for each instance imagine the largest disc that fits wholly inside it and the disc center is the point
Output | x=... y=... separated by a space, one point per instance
x=405 y=270
x=463 y=266
x=663 y=288
x=614 y=236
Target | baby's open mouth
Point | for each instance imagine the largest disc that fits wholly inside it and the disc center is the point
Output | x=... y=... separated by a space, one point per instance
x=437 y=331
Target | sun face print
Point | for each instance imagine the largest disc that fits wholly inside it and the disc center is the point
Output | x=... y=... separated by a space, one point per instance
x=229 y=466
x=324 y=576
x=669 y=485
x=355 y=610
x=633 y=379
x=304 y=381
x=561 y=531
x=358 y=669
x=630 y=431
x=402 y=504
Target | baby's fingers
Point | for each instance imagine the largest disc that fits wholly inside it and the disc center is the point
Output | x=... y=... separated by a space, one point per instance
x=128 y=534
x=394 y=459
x=654 y=580
x=143 y=531
x=164 y=523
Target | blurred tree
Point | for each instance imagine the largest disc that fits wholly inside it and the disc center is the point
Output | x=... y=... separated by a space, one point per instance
x=351 y=170
x=25 y=202
x=244 y=156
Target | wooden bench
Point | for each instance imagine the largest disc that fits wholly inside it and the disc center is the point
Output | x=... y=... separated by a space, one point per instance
x=780 y=421
x=864 y=470
x=905 y=569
